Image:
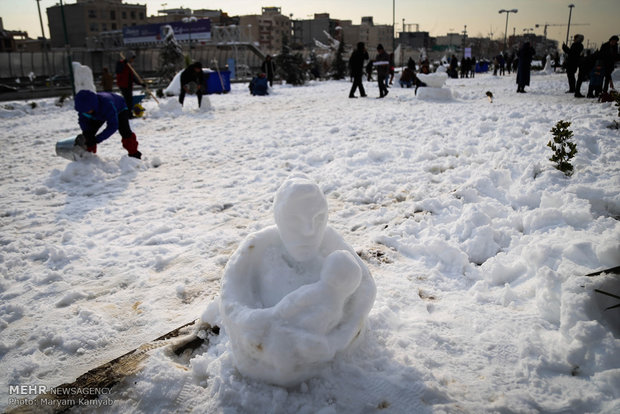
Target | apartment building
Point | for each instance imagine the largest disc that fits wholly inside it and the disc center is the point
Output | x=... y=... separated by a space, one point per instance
x=87 y=18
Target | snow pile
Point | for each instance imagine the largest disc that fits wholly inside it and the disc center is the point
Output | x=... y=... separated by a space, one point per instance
x=83 y=77
x=167 y=107
x=295 y=294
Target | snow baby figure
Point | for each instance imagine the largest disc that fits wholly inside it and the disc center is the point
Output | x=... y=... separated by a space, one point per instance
x=340 y=276
x=294 y=294
x=94 y=110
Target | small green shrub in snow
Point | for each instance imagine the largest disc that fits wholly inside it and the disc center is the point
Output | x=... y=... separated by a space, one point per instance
x=563 y=148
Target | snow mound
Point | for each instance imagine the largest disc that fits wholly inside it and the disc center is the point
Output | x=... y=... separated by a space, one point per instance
x=166 y=108
x=83 y=77
x=435 y=94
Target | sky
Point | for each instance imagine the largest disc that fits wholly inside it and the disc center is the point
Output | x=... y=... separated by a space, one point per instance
x=597 y=20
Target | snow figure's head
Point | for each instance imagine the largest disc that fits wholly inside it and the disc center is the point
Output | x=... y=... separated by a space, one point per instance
x=86 y=101
x=341 y=272
x=300 y=212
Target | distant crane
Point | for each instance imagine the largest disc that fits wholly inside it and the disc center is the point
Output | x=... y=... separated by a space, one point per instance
x=554 y=24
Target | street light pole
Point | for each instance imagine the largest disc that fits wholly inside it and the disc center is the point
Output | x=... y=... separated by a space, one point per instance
x=67 y=47
x=393 y=25
x=570 y=12
x=46 y=61
x=189 y=21
x=506 y=29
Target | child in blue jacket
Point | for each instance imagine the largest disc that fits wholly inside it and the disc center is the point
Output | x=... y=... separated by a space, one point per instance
x=94 y=110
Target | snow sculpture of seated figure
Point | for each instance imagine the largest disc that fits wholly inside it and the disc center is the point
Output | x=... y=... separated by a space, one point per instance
x=294 y=294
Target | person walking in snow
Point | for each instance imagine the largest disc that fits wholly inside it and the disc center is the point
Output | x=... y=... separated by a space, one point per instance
x=526 y=54
x=96 y=109
x=192 y=81
x=573 y=59
x=382 y=63
x=269 y=69
x=609 y=55
x=356 y=66
x=125 y=78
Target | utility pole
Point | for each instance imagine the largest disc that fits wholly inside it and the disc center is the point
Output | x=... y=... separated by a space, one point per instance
x=402 y=49
x=67 y=47
x=570 y=12
x=464 y=39
x=46 y=61
x=393 y=25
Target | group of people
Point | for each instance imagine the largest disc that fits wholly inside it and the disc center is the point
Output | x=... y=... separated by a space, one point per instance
x=503 y=64
x=96 y=109
x=383 y=63
x=467 y=68
x=595 y=67
x=260 y=83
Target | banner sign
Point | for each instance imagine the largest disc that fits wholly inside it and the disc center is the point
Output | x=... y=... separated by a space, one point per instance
x=199 y=30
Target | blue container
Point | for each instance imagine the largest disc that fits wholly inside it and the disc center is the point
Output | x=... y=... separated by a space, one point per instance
x=482 y=67
x=218 y=82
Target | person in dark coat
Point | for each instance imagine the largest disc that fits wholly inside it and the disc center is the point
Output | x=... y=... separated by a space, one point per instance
x=382 y=63
x=356 y=66
x=107 y=80
x=411 y=64
x=573 y=58
x=192 y=75
x=269 y=68
x=258 y=85
x=96 y=109
x=609 y=55
x=525 y=56
x=586 y=64
x=454 y=65
x=407 y=78
x=125 y=78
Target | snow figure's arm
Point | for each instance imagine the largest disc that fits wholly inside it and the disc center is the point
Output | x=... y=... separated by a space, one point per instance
x=357 y=306
x=301 y=300
x=242 y=310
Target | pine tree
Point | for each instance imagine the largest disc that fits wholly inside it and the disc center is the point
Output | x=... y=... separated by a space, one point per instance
x=339 y=66
x=290 y=67
x=564 y=149
x=171 y=56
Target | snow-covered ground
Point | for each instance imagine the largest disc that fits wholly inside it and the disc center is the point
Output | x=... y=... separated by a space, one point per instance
x=477 y=244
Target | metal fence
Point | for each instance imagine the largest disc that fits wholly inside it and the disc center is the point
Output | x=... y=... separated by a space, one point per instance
x=21 y=64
